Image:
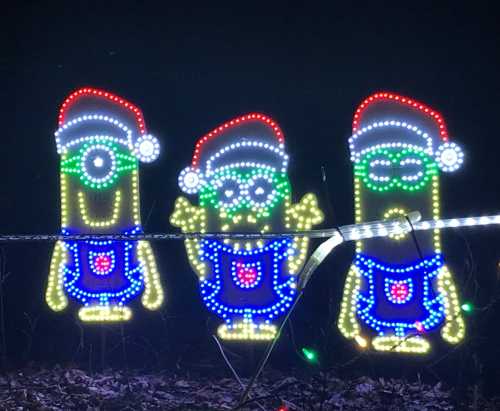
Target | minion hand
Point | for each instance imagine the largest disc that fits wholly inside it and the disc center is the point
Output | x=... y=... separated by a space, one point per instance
x=190 y=219
x=298 y=217
x=187 y=217
x=153 y=292
x=305 y=214
x=454 y=327
x=453 y=330
x=347 y=323
x=54 y=295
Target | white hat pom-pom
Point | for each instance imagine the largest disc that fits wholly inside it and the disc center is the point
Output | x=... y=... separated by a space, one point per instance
x=449 y=157
x=147 y=148
x=190 y=180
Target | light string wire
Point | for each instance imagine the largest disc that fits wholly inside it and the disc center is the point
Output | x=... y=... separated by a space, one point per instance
x=348 y=232
x=235 y=374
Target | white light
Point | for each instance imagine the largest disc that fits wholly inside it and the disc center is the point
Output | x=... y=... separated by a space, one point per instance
x=98 y=162
x=259 y=191
x=190 y=180
x=449 y=157
x=147 y=148
x=356 y=153
x=64 y=138
x=209 y=164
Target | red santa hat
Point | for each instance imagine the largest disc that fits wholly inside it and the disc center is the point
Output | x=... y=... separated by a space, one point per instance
x=391 y=120
x=88 y=113
x=252 y=140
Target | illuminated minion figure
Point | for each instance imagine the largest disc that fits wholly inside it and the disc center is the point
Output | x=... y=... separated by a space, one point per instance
x=239 y=173
x=399 y=289
x=101 y=139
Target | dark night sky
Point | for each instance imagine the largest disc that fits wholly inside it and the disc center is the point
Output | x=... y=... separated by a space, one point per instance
x=191 y=68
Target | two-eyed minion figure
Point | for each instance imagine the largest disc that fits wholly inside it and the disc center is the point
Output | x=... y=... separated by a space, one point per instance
x=101 y=139
x=399 y=288
x=239 y=174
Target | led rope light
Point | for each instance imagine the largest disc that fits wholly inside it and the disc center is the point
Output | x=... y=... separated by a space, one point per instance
x=351 y=232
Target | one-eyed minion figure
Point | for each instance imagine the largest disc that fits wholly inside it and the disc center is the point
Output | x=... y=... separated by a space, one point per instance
x=101 y=139
x=239 y=175
x=399 y=288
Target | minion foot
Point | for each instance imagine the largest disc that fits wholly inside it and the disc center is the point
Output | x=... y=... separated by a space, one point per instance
x=247 y=331
x=99 y=313
x=410 y=345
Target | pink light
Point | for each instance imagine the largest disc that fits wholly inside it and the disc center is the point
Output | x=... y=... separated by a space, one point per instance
x=399 y=291
x=102 y=263
x=419 y=326
x=246 y=275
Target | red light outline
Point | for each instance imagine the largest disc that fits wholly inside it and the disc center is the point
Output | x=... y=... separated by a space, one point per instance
x=278 y=133
x=89 y=91
x=436 y=116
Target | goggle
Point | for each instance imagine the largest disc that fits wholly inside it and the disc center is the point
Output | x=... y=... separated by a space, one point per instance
x=233 y=191
x=99 y=163
x=384 y=169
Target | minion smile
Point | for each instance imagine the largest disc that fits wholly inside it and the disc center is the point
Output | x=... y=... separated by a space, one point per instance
x=244 y=222
x=92 y=221
x=394 y=213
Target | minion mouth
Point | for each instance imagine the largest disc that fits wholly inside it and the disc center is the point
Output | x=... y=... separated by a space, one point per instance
x=394 y=213
x=243 y=222
x=103 y=222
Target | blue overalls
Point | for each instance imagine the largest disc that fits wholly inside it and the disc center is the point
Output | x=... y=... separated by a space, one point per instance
x=103 y=272
x=247 y=284
x=401 y=298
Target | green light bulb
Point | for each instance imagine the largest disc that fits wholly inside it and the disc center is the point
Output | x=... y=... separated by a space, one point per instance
x=310 y=355
x=467 y=307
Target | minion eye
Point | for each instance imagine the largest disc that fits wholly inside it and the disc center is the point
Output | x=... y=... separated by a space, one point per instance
x=228 y=192
x=99 y=164
x=380 y=170
x=261 y=190
x=412 y=169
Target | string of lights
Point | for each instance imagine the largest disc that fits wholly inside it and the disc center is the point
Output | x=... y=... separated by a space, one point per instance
x=349 y=232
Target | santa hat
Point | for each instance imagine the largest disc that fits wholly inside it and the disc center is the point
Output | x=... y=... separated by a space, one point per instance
x=390 y=120
x=252 y=140
x=88 y=113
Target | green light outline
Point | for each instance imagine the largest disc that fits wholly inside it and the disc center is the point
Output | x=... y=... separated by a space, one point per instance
x=280 y=182
x=395 y=155
x=71 y=165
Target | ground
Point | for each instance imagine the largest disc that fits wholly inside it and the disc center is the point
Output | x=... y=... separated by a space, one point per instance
x=74 y=389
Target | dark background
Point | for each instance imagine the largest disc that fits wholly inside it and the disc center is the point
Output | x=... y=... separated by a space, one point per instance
x=192 y=67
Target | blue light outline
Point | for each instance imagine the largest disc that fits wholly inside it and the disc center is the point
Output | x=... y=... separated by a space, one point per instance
x=400 y=328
